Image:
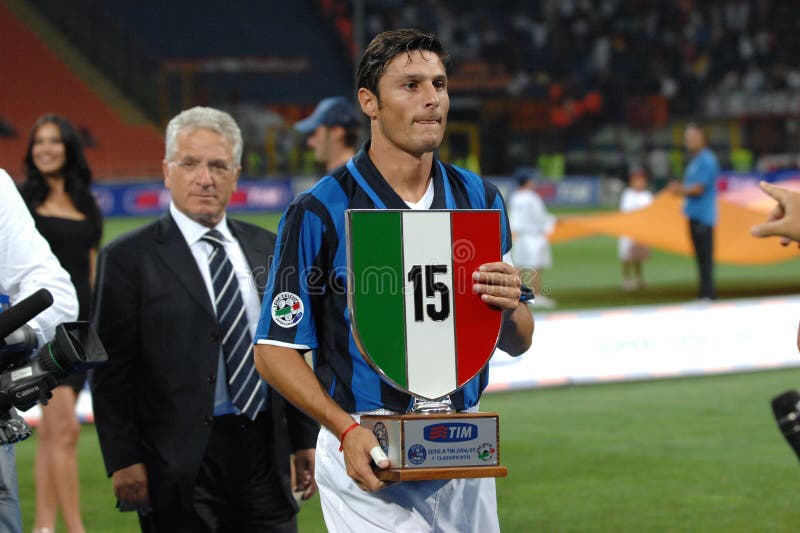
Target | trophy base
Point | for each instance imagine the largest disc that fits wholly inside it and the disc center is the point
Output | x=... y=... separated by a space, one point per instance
x=437 y=446
x=420 y=474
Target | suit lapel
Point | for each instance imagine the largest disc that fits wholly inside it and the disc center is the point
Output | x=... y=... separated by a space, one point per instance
x=255 y=251
x=178 y=257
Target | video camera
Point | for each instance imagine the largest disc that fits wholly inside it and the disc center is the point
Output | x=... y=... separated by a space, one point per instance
x=25 y=380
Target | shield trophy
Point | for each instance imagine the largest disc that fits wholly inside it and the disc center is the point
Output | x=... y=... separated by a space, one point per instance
x=418 y=323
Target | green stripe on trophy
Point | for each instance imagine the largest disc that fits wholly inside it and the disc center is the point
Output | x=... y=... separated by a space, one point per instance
x=377 y=264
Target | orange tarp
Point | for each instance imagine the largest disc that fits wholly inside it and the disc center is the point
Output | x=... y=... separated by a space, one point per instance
x=662 y=225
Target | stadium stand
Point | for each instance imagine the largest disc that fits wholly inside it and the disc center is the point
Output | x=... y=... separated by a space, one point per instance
x=266 y=62
x=567 y=70
x=250 y=50
x=677 y=49
x=597 y=85
x=36 y=81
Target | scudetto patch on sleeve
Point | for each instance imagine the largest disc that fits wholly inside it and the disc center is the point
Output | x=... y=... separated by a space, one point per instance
x=287 y=310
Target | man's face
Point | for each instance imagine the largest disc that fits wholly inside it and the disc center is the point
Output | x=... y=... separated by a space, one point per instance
x=693 y=139
x=320 y=142
x=413 y=106
x=638 y=181
x=201 y=175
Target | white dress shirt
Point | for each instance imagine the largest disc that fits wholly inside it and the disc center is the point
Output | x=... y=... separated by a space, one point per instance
x=27 y=264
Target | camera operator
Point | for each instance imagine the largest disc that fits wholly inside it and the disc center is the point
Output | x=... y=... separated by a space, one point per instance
x=26 y=265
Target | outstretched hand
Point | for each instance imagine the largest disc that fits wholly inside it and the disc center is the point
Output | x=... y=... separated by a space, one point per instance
x=784 y=219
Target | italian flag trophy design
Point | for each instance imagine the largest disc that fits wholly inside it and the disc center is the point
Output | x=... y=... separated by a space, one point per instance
x=417 y=321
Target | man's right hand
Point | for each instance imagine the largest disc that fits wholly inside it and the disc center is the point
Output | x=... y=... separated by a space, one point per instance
x=357 y=447
x=130 y=488
x=286 y=371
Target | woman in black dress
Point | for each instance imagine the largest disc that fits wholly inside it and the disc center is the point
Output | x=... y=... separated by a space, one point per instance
x=57 y=192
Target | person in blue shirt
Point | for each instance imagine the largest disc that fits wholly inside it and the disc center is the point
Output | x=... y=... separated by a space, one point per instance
x=699 y=188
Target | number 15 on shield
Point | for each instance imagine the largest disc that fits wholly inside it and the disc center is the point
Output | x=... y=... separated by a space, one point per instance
x=425 y=275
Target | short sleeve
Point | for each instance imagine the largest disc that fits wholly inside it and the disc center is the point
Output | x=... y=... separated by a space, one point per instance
x=287 y=318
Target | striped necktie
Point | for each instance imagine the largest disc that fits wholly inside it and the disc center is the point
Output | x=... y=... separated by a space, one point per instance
x=244 y=383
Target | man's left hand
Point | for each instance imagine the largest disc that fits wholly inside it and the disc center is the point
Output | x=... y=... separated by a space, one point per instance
x=304 y=472
x=675 y=187
x=498 y=284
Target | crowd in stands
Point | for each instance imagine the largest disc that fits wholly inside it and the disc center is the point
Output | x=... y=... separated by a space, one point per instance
x=574 y=66
x=620 y=48
x=562 y=68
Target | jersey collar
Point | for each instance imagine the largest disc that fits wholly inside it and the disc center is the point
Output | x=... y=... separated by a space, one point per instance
x=381 y=193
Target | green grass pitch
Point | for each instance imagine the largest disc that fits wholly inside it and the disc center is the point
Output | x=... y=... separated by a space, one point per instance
x=695 y=454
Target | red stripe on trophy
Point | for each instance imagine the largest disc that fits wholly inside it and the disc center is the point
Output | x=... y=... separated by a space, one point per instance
x=476 y=240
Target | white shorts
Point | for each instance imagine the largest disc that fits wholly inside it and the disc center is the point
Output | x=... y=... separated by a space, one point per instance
x=531 y=251
x=457 y=505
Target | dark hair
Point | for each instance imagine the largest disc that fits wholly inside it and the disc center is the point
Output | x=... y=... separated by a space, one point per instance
x=638 y=171
x=524 y=179
x=76 y=172
x=386 y=46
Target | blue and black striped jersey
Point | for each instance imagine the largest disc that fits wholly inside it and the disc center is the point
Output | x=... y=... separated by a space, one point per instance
x=305 y=301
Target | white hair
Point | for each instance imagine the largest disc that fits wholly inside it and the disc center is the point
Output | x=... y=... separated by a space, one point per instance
x=207 y=118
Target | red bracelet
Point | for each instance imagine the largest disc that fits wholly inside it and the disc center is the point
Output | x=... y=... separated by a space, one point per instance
x=345 y=432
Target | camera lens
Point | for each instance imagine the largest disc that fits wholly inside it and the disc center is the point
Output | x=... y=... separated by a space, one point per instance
x=62 y=354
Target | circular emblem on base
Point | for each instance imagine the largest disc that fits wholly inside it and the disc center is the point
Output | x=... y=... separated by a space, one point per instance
x=486 y=452
x=287 y=309
x=417 y=454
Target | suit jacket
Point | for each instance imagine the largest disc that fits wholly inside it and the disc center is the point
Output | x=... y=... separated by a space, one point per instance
x=154 y=399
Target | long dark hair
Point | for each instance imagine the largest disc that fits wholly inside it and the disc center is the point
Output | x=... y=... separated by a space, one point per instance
x=76 y=173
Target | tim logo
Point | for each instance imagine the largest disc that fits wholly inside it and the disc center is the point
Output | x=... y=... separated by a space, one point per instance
x=450 y=432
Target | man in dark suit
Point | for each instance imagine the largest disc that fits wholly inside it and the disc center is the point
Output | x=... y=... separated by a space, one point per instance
x=191 y=436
